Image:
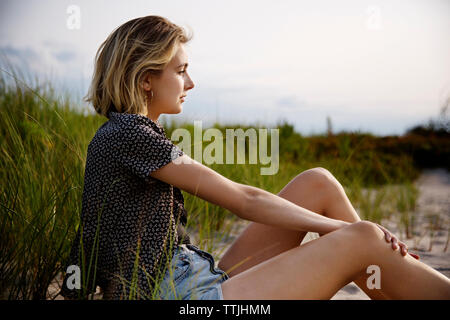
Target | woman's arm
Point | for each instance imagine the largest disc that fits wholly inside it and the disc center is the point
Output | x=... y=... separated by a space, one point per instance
x=246 y=202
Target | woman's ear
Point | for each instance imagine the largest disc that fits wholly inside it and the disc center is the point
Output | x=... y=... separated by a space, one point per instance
x=146 y=83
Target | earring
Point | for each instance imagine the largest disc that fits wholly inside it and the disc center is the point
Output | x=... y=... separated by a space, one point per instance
x=146 y=98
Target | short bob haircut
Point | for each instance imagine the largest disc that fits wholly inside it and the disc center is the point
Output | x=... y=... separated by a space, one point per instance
x=135 y=49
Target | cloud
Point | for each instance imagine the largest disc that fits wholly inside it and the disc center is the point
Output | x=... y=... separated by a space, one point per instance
x=48 y=57
x=18 y=59
x=62 y=52
x=64 y=55
x=48 y=62
x=21 y=53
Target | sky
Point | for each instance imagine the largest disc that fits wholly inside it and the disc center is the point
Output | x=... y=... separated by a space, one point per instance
x=372 y=66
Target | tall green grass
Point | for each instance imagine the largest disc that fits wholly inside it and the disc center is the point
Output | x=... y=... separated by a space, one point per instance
x=42 y=152
x=43 y=145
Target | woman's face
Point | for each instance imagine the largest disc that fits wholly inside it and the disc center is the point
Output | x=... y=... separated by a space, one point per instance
x=169 y=88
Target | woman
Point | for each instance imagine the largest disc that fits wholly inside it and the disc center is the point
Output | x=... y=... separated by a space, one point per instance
x=132 y=243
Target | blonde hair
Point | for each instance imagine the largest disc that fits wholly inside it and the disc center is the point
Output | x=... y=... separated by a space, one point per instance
x=135 y=49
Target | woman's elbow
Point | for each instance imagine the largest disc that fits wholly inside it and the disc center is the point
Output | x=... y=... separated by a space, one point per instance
x=247 y=196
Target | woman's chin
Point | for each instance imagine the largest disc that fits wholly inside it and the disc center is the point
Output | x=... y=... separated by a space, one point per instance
x=179 y=110
x=175 y=111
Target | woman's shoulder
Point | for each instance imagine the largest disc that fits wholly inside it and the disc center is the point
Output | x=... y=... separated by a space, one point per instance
x=131 y=134
x=130 y=128
x=135 y=123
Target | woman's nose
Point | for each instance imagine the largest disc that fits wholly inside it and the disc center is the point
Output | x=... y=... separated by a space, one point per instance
x=189 y=84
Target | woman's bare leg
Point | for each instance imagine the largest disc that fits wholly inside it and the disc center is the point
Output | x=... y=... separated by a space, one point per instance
x=319 y=268
x=259 y=242
x=339 y=207
x=316 y=190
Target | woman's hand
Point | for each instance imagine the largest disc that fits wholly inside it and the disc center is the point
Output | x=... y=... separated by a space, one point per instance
x=391 y=238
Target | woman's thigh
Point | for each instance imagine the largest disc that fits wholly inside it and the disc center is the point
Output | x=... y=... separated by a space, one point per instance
x=315 y=270
x=260 y=242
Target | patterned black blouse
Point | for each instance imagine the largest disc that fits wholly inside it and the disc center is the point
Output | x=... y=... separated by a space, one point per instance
x=130 y=222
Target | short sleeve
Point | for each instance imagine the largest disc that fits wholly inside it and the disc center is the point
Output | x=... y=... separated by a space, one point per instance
x=142 y=150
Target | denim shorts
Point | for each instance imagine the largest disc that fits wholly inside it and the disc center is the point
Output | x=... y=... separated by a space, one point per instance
x=192 y=276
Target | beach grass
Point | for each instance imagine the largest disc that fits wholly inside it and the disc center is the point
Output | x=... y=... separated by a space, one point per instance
x=43 y=145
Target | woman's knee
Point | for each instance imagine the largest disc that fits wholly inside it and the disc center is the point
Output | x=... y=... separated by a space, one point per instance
x=366 y=231
x=360 y=240
x=312 y=189
x=321 y=180
x=317 y=177
x=322 y=171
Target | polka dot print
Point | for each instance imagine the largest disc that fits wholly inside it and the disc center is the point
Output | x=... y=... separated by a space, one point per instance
x=128 y=218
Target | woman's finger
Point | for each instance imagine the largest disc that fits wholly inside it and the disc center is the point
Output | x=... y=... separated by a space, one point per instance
x=414 y=255
x=394 y=243
x=387 y=235
x=404 y=248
